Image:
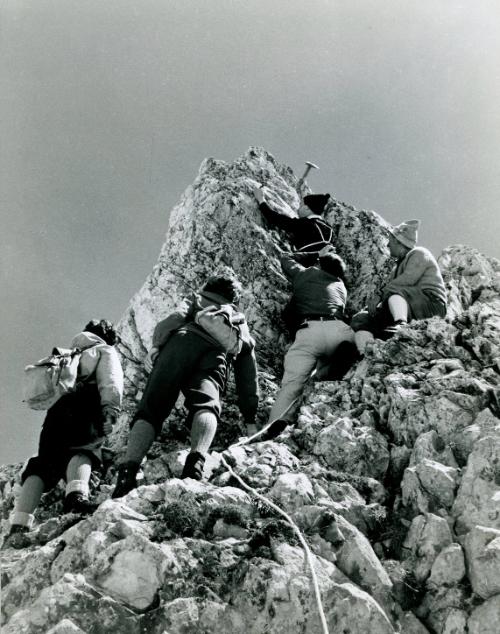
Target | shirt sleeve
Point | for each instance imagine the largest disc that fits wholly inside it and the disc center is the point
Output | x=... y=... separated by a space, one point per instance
x=247 y=387
x=175 y=320
x=276 y=219
x=291 y=268
x=109 y=377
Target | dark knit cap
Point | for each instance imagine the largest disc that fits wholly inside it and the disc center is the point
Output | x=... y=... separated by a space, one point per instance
x=316 y=202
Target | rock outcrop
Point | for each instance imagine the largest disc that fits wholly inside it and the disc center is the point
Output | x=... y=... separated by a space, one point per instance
x=392 y=474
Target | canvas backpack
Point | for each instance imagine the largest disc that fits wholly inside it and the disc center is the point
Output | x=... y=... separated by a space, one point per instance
x=52 y=377
x=222 y=323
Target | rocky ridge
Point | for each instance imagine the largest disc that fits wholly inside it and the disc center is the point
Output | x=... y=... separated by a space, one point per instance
x=392 y=474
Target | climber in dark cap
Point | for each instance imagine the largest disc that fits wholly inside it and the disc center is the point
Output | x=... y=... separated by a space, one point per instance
x=308 y=232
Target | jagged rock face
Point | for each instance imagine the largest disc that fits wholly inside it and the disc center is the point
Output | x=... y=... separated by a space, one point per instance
x=392 y=475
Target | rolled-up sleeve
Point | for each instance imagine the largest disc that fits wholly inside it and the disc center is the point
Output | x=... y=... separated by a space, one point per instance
x=109 y=377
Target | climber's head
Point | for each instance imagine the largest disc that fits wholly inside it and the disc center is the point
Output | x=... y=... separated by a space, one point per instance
x=403 y=237
x=224 y=285
x=103 y=329
x=333 y=264
x=314 y=204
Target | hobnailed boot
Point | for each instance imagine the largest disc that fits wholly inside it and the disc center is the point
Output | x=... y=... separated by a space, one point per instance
x=78 y=503
x=271 y=430
x=19 y=537
x=126 y=480
x=193 y=467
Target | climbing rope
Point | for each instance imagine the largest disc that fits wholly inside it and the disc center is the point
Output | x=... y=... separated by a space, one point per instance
x=305 y=546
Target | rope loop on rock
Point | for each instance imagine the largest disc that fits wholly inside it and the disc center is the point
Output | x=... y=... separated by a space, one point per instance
x=305 y=546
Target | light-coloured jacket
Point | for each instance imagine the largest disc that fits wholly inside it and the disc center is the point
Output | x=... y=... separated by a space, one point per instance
x=100 y=362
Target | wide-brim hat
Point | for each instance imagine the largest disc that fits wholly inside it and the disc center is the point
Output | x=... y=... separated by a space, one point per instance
x=406 y=232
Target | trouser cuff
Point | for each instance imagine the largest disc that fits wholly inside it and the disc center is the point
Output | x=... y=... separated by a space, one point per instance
x=20 y=518
x=78 y=486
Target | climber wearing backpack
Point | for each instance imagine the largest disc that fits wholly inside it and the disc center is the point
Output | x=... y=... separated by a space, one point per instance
x=75 y=427
x=416 y=289
x=320 y=296
x=192 y=351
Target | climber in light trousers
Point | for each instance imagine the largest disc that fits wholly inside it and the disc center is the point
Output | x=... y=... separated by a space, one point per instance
x=185 y=357
x=416 y=289
x=320 y=295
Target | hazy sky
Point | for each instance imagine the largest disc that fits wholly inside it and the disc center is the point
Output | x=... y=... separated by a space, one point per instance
x=108 y=108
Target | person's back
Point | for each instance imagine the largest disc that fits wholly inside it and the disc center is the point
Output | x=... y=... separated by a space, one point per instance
x=429 y=277
x=74 y=428
x=186 y=358
x=308 y=232
x=319 y=295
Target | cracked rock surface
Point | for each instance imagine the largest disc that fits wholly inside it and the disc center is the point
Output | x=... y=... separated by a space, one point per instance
x=392 y=474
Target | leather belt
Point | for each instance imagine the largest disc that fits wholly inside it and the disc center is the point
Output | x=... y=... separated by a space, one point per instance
x=320 y=318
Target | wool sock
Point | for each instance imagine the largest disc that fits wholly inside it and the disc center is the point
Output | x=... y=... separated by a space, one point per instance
x=78 y=474
x=398 y=307
x=361 y=338
x=140 y=440
x=30 y=495
x=203 y=431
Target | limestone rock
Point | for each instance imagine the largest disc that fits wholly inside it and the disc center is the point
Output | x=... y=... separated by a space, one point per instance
x=358 y=561
x=482 y=549
x=429 y=486
x=416 y=411
x=448 y=568
x=485 y=618
x=360 y=450
x=478 y=497
x=427 y=537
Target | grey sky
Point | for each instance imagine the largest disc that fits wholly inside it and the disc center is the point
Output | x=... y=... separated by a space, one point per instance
x=108 y=108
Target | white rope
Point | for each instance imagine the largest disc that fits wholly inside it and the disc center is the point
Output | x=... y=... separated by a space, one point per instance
x=309 y=555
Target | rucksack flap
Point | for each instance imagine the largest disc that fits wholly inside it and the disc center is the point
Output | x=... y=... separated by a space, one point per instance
x=50 y=378
x=223 y=324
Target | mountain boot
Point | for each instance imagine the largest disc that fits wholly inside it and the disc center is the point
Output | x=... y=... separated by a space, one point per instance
x=193 y=467
x=18 y=537
x=270 y=431
x=78 y=503
x=126 y=480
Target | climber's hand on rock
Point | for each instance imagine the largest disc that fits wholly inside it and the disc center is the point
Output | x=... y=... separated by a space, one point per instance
x=259 y=194
x=150 y=359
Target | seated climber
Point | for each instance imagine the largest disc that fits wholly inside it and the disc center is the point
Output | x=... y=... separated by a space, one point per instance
x=308 y=232
x=416 y=289
x=75 y=428
x=192 y=355
x=320 y=295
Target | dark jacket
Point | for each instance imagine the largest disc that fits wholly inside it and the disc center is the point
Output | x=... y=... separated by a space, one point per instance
x=315 y=292
x=244 y=364
x=306 y=234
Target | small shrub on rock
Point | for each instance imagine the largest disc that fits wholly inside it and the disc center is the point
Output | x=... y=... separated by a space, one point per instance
x=181 y=518
x=275 y=529
x=230 y=513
